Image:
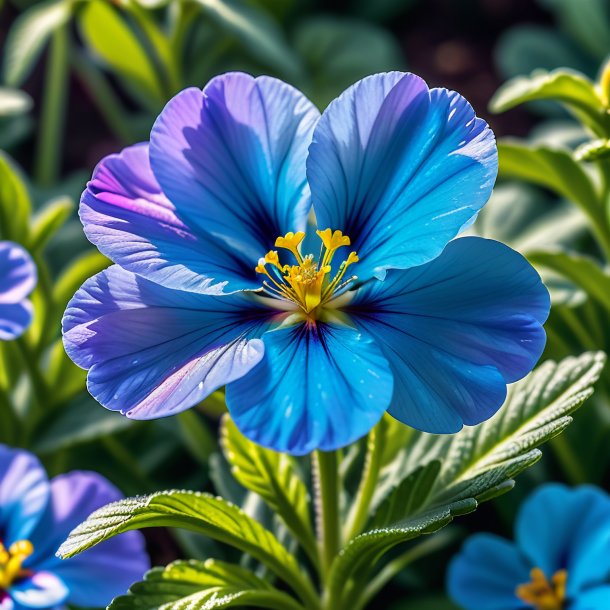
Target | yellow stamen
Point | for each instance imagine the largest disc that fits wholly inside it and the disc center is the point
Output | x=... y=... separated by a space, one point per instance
x=307 y=283
x=11 y=561
x=542 y=594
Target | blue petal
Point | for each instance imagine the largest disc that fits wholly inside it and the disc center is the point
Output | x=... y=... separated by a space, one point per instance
x=456 y=331
x=24 y=493
x=561 y=528
x=14 y=319
x=17 y=273
x=400 y=169
x=594 y=599
x=486 y=574
x=153 y=351
x=101 y=573
x=320 y=386
x=232 y=159
x=127 y=216
x=41 y=590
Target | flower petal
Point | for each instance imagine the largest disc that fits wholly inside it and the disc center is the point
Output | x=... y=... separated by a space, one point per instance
x=561 y=528
x=232 y=159
x=594 y=599
x=456 y=331
x=400 y=168
x=41 y=590
x=101 y=573
x=14 y=319
x=24 y=493
x=127 y=216
x=17 y=273
x=320 y=386
x=486 y=573
x=153 y=351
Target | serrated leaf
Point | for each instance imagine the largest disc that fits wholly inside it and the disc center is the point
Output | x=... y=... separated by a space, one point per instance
x=29 y=35
x=274 y=477
x=199 y=512
x=568 y=87
x=15 y=204
x=196 y=585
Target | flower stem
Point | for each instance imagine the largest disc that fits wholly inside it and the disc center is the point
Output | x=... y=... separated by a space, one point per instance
x=48 y=150
x=326 y=474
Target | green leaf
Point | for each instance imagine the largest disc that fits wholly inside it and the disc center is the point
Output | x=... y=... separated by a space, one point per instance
x=199 y=512
x=554 y=169
x=572 y=89
x=200 y=585
x=15 y=204
x=274 y=476
x=257 y=31
x=28 y=36
x=14 y=102
x=49 y=220
x=111 y=38
x=582 y=270
x=593 y=151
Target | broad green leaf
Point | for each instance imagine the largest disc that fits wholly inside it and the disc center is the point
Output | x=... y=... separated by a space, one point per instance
x=554 y=169
x=49 y=220
x=594 y=150
x=582 y=270
x=14 y=102
x=572 y=89
x=274 y=477
x=15 y=204
x=28 y=36
x=257 y=31
x=199 y=512
x=196 y=585
x=109 y=35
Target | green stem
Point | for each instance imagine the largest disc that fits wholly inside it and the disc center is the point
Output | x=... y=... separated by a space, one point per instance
x=8 y=423
x=103 y=96
x=48 y=150
x=40 y=388
x=326 y=471
x=569 y=460
x=360 y=508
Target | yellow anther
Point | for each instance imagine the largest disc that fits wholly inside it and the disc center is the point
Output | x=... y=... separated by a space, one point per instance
x=11 y=561
x=291 y=241
x=542 y=594
x=333 y=240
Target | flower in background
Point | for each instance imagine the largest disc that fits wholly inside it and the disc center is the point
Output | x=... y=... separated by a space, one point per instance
x=223 y=279
x=17 y=280
x=560 y=559
x=36 y=516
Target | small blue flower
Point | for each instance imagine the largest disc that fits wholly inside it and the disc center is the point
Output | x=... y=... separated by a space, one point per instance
x=306 y=262
x=17 y=280
x=36 y=516
x=560 y=559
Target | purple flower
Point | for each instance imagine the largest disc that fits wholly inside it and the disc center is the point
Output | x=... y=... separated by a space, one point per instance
x=36 y=516
x=17 y=280
x=221 y=277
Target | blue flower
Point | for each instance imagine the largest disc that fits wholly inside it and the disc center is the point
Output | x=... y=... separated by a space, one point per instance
x=36 y=516
x=316 y=326
x=17 y=280
x=560 y=559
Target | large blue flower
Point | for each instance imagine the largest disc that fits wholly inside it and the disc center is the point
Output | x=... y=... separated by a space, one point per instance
x=36 y=516
x=17 y=280
x=560 y=559
x=222 y=279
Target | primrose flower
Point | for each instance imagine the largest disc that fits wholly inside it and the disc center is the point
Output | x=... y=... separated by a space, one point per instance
x=36 y=516
x=306 y=263
x=560 y=559
x=17 y=280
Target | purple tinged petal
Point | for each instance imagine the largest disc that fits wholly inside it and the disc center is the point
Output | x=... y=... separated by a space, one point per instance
x=41 y=590
x=319 y=386
x=153 y=351
x=400 y=169
x=17 y=273
x=456 y=331
x=232 y=159
x=128 y=217
x=24 y=493
x=14 y=319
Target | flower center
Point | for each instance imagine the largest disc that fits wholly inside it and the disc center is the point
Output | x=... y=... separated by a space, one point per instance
x=308 y=283
x=11 y=562
x=542 y=594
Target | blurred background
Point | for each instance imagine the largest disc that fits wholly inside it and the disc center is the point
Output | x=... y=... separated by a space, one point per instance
x=81 y=79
